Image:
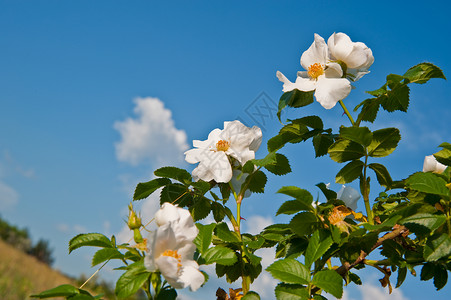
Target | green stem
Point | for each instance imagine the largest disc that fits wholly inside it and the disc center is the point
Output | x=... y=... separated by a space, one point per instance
x=366 y=194
x=347 y=112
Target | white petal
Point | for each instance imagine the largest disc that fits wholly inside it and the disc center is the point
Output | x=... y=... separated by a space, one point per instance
x=214 y=166
x=432 y=165
x=305 y=84
x=257 y=141
x=316 y=53
x=361 y=56
x=193 y=156
x=149 y=259
x=164 y=239
x=349 y=196
x=340 y=45
x=192 y=277
x=288 y=86
x=167 y=213
x=213 y=138
x=169 y=268
x=331 y=90
x=333 y=70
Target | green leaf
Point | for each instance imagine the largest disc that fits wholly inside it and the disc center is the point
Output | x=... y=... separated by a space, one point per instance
x=204 y=237
x=330 y=282
x=329 y=194
x=176 y=193
x=289 y=271
x=427 y=272
x=223 y=232
x=360 y=135
x=167 y=295
x=64 y=290
x=269 y=159
x=402 y=272
x=291 y=292
x=303 y=223
x=280 y=140
x=294 y=98
x=382 y=175
x=201 y=208
x=396 y=99
x=178 y=174
x=293 y=206
x=344 y=150
x=350 y=172
x=321 y=143
x=316 y=248
x=369 y=110
x=421 y=73
x=314 y=122
x=432 y=222
x=251 y=295
x=444 y=156
x=105 y=254
x=220 y=255
x=132 y=280
x=384 y=142
x=437 y=247
x=298 y=193
x=89 y=239
x=427 y=183
x=218 y=211
x=144 y=190
x=256 y=182
x=281 y=166
x=440 y=277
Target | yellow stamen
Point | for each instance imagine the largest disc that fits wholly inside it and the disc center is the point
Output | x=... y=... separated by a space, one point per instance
x=174 y=254
x=315 y=70
x=222 y=145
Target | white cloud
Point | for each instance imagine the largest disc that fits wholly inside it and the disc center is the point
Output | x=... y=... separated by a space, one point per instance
x=265 y=284
x=373 y=292
x=8 y=196
x=151 y=136
x=255 y=224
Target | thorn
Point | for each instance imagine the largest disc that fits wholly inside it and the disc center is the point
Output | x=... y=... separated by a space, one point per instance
x=241 y=218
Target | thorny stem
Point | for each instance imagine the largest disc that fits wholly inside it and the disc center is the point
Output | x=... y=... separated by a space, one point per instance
x=347 y=112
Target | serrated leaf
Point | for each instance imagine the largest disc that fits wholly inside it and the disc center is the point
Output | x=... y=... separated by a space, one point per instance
x=223 y=232
x=345 y=150
x=220 y=255
x=176 y=193
x=382 y=175
x=89 y=239
x=289 y=271
x=178 y=174
x=268 y=159
x=316 y=248
x=280 y=166
x=396 y=99
x=297 y=193
x=427 y=183
x=200 y=209
x=291 y=292
x=321 y=143
x=432 y=222
x=64 y=290
x=384 y=142
x=314 y=122
x=145 y=189
x=256 y=182
x=293 y=206
x=105 y=254
x=370 y=107
x=204 y=237
x=360 y=135
x=218 y=211
x=350 y=172
x=437 y=247
x=421 y=73
x=132 y=280
x=303 y=223
x=330 y=282
x=280 y=140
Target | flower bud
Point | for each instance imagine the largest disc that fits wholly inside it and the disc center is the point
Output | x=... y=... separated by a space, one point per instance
x=134 y=221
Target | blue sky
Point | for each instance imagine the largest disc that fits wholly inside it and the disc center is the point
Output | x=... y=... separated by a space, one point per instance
x=72 y=74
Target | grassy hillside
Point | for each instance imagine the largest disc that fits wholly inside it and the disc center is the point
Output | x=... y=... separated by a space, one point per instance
x=22 y=275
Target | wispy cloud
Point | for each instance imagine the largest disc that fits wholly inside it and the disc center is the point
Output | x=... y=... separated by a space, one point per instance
x=8 y=196
x=150 y=137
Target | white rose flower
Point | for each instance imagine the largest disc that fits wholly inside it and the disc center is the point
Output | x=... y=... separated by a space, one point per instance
x=236 y=141
x=181 y=220
x=173 y=258
x=349 y=196
x=323 y=76
x=357 y=56
x=432 y=165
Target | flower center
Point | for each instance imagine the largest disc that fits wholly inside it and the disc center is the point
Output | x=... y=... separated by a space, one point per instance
x=315 y=70
x=174 y=254
x=222 y=145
